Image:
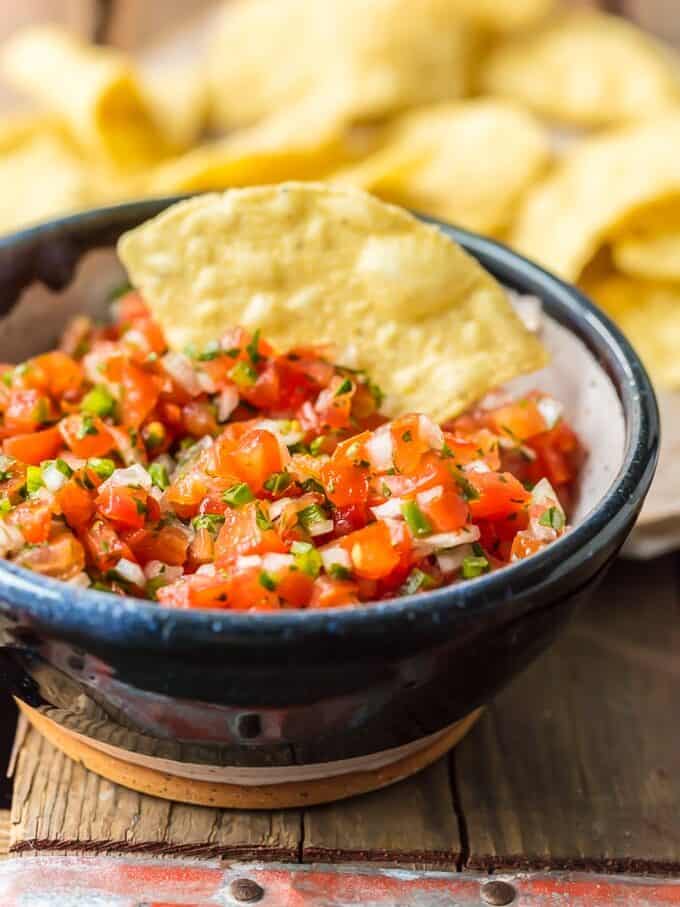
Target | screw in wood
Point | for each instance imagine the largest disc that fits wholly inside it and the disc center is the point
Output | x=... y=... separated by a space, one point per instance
x=246 y=891
x=498 y=893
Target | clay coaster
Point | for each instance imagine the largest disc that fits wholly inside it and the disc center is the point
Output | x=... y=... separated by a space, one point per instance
x=157 y=783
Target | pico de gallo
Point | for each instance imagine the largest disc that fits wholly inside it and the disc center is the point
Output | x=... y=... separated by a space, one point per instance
x=236 y=477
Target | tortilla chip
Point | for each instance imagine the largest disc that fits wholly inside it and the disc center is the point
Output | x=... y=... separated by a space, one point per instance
x=178 y=96
x=648 y=312
x=649 y=248
x=502 y=17
x=585 y=69
x=41 y=178
x=299 y=143
x=371 y=59
x=308 y=263
x=595 y=191
x=93 y=88
x=468 y=163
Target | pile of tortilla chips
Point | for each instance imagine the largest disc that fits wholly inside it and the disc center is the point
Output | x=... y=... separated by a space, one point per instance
x=551 y=128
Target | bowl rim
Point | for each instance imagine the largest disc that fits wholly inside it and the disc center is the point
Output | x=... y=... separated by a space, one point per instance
x=83 y=613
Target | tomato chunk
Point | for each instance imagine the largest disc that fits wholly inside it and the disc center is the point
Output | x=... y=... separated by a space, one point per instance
x=371 y=551
x=35 y=447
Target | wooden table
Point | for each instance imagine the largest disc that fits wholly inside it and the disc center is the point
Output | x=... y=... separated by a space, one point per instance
x=577 y=765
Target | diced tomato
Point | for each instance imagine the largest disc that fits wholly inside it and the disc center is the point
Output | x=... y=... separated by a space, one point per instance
x=103 y=545
x=447 y=512
x=518 y=421
x=86 y=436
x=294 y=587
x=253 y=459
x=27 y=410
x=62 y=557
x=35 y=447
x=62 y=374
x=500 y=494
x=371 y=550
x=141 y=390
x=187 y=491
x=334 y=404
x=410 y=442
x=559 y=455
x=34 y=518
x=76 y=503
x=266 y=391
x=146 y=337
x=350 y=518
x=524 y=545
x=332 y=593
x=246 y=531
x=12 y=482
x=168 y=544
x=198 y=418
x=131 y=307
x=197 y=592
x=125 y=507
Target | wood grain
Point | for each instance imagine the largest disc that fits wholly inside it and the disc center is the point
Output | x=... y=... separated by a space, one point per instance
x=59 y=805
x=578 y=763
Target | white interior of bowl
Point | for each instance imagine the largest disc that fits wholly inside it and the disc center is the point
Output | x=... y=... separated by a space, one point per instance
x=573 y=375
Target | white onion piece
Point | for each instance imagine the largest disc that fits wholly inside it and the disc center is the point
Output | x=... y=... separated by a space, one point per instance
x=442 y=540
x=431 y=432
x=246 y=562
x=135 y=476
x=451 y=560
x=11 y=539
x=391 y=508
x=288 y=430
x=181 y=370
x=543 y=492
x=476 y=466
x=276 y=508
x=432 y=494
x=321 y=528
x=80 y=579
x=334 y=554
x=510 y=444
x=206 y=570
x=130 y=572
x=206 y=382
x=396 y=529
x=53 y=478
x=551 y=410
x=158 y=568
x=273 y=562
x=74 y=462
x=227 y=403
x=380 y=449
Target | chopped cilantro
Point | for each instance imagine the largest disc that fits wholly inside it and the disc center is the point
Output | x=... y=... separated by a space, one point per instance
x=552 y=517
x=267 y=580
x=344 y=388
x=238 y=495
x=385 y=490
x=337 y=571
x=210 y=351
x=469 y=491
x=407 y=437
x=209 y=521
x=277 y=482
x=87 y=427
x=252 y=348
x=159 y=475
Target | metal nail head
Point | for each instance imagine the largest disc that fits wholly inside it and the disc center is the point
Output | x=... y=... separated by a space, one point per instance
x=498 y=893
x=246 y=891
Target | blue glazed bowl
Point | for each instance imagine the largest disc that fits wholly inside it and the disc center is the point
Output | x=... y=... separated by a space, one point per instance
x=301 y=688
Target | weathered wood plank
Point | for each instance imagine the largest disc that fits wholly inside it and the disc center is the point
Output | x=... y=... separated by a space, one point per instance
x=59 y=805
x=4 y=832
x=578 y=763
x=412 y=822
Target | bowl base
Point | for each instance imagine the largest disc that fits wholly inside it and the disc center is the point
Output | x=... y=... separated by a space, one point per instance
x=168 y=786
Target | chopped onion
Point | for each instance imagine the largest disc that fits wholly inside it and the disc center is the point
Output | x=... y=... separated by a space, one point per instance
x=53 y=477
x=334 y=554
x=130 y=572
x=80 y=579
x=181 y=370
x=432 y=494
x=321 y=528
x=246 y=562
x=509 y=444
x=380 y=449
x=11 y=539
x=431 y=432
x=476 y=466
x=227 y=403
x=206 y=382
x=135 y=476
x=273 y=562
x=551 y=410
x=391 y=508
x=396 y=528
x=543 y=492
x=449 y=561
x=441 y=541
x=287 y=430
x=276 y=508
x=206 y=570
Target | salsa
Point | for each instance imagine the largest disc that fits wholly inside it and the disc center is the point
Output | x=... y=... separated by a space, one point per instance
x=236 y=477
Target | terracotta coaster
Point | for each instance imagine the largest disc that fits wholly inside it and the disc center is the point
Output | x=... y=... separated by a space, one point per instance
x=267 y=796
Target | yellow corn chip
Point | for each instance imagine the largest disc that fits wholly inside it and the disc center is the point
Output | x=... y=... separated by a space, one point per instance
x=178 y=96
x=308 y=262
x=649 y=248
x=649 y=314
x=468 y=163
x=372 y=59
x=596 y=190
x=304 y=142
x=40 y=178
x=93 y=88
x=585 y=69
x=497 y=15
